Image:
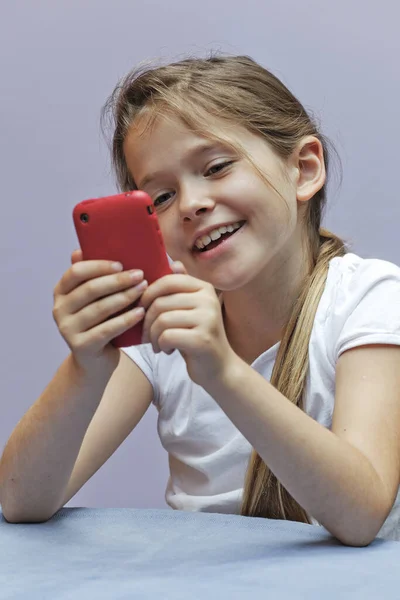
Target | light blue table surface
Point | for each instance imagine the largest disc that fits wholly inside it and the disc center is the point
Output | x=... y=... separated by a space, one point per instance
x=85 y=553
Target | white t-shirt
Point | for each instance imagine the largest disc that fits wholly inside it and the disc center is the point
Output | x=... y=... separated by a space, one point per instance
x=208 y=456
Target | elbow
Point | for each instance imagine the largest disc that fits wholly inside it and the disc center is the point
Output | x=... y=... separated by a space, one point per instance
x=359 y=535
x=361 y=531
x=356 y=540
x=20 y=517
x=15 y=513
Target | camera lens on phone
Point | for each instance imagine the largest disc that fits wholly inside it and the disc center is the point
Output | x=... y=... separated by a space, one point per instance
x=84 y=217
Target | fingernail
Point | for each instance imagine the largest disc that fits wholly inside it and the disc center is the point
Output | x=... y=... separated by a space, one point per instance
x=142 y=285
x=117 y=266
x=139 y=311
x=136 y=274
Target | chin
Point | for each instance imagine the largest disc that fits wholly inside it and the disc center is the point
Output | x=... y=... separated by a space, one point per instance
x=226 y=284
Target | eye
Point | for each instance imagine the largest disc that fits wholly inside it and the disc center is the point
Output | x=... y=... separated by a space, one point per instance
x=218 y=168
x=162 y=198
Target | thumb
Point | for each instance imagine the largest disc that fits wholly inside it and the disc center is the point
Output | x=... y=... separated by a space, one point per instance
x=76 y=256
x=178 y=267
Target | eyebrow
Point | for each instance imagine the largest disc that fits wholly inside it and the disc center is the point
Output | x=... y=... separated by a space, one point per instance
x=198 y=150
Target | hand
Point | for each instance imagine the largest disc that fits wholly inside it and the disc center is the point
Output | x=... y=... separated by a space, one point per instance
x=184 y=313
x=87 y=302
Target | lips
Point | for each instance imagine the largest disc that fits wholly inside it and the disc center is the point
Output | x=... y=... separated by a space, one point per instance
x=207 y=231
x=215 y=247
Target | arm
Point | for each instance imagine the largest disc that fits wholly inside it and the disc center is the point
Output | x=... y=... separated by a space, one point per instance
x=346 y=478
x=75 y=416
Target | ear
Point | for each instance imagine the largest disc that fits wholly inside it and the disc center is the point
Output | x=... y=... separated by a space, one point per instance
x=310 y=168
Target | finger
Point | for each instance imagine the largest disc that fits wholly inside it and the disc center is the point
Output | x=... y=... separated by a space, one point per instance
x=168 y=303
x=170 y=284
x=102 y=287
x=105 y=332
x=107 y=308
x=76 y=256
x=178 y=267
x=82 y=271
x=176 y=319
x=184 y=340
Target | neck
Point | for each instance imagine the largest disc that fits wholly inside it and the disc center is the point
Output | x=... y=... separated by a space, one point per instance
x=256 y=314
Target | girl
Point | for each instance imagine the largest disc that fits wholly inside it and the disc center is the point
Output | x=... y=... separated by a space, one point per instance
x=269 y=342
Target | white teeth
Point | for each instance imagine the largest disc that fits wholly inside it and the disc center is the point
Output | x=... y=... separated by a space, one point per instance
x=203 y=241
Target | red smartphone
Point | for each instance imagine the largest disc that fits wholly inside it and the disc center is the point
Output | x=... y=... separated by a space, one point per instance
x=123 y=228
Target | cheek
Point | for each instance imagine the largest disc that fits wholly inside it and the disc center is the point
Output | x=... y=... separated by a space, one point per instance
x=251 y=191
x=172 y=237
x=169 y=245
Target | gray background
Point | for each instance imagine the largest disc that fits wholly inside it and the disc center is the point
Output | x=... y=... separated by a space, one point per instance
x=58 y=63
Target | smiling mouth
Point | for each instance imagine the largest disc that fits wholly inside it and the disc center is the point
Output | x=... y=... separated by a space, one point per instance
x=220 y=240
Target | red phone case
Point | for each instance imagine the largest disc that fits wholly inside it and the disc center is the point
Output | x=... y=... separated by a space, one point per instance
x=123 y=228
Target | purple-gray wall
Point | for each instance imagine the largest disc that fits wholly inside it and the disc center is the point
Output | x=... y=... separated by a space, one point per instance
x=60 y=60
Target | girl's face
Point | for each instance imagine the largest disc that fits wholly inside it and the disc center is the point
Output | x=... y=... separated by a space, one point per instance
x=198 y=185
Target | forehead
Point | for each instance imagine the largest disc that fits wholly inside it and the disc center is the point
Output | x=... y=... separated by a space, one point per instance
x=163 y=140
x=154 y=133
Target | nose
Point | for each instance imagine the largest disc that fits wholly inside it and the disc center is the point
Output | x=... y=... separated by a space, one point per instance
x=194 y=202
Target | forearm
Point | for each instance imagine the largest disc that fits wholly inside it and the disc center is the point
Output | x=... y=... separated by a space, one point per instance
x=331 y=479
x=39 y=457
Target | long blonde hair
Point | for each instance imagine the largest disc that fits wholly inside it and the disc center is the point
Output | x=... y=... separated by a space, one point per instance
x=237 y=90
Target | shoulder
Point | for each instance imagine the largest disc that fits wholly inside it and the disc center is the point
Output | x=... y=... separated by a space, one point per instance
x=353 y=275
x=361 y=302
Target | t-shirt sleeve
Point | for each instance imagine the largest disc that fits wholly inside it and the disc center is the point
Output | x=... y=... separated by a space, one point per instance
x=366 y=309
x=144 y=357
